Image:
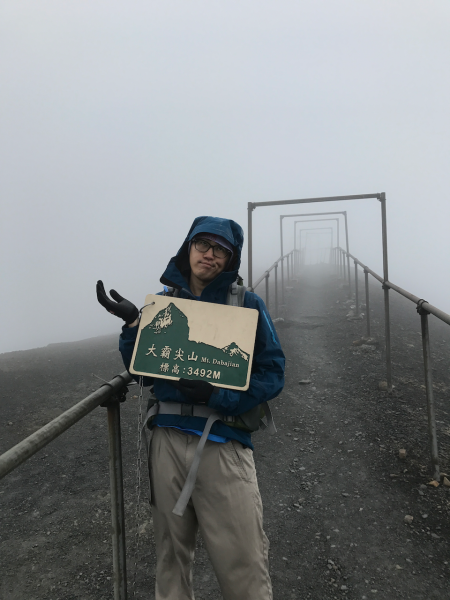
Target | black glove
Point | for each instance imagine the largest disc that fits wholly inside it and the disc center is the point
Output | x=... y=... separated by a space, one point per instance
x=198 y=392
x=121 y=308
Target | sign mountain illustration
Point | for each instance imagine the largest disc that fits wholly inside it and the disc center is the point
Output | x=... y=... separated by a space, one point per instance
x=164 y=347
x=168 y=317
x=234 y=350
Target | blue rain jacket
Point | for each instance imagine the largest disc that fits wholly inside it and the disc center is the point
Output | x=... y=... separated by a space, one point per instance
x=267 y=377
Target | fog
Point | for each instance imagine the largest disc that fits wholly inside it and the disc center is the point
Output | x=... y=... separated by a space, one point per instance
x=122 y=121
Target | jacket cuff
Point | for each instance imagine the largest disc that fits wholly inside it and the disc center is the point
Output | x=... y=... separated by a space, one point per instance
x=129 y=333
x=216 y=398
x=226 y=401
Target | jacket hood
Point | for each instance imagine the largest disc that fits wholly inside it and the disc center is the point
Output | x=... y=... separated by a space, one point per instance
x=178 y=270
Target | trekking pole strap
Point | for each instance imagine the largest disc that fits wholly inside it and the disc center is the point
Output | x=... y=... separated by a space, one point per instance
x=189 y=484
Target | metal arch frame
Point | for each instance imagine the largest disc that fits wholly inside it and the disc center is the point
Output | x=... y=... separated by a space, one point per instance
x=381 y=197
x=314 y=231
x=316 y=221
x=330 y=229
x=296 y=255
x=337 y=212
x=310 y=232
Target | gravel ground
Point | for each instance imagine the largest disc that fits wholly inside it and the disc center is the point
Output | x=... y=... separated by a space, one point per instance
x=334 y=489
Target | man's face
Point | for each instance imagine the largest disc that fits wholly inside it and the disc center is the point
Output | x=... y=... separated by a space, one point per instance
x=204 y=265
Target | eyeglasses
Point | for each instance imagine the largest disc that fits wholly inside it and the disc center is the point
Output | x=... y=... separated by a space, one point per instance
x=218 y=251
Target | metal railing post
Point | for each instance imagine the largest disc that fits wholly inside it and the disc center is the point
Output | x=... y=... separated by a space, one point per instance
x=356 y=289
x=250 y=208
x=348 y=252
x=349 y=274
x=387 y=321
x=387 y=336
x=117 y=502
x=429 y=387
x=282 y=259
x=267 y=290
x=366 y=281
x=276 y=289
x=287 y=269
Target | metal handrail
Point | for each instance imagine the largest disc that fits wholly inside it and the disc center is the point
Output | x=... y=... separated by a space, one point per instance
x=275 y=264
x=437 y=312
x=424 y=309
x=266 y=275
x=108 y=395
x=25 y=449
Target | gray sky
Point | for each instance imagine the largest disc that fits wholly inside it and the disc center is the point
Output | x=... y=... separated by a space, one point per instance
x=122 y=121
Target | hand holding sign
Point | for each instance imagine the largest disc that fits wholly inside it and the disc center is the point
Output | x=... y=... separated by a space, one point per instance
x=197 y=392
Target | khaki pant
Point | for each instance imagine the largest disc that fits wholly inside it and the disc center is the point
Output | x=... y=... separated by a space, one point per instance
x=225 y=505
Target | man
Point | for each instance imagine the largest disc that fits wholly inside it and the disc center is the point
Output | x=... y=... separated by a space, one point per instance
x=225 y=502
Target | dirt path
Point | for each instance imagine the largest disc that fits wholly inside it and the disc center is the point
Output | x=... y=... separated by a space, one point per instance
x=334 y=490
x=335 y=507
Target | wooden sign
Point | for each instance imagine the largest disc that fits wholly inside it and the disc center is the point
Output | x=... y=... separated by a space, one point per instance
x=180 y=338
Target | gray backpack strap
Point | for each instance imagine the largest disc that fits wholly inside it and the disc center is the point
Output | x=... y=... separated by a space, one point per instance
x=232 y=296
x=241 y=289
x=236 y=293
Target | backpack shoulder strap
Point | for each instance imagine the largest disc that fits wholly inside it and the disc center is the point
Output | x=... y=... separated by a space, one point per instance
x=232 y=296
x=236 y=293
x=241 y=289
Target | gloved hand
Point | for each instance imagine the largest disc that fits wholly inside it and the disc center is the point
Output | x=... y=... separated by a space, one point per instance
x=121 y=308
x=198 y=392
